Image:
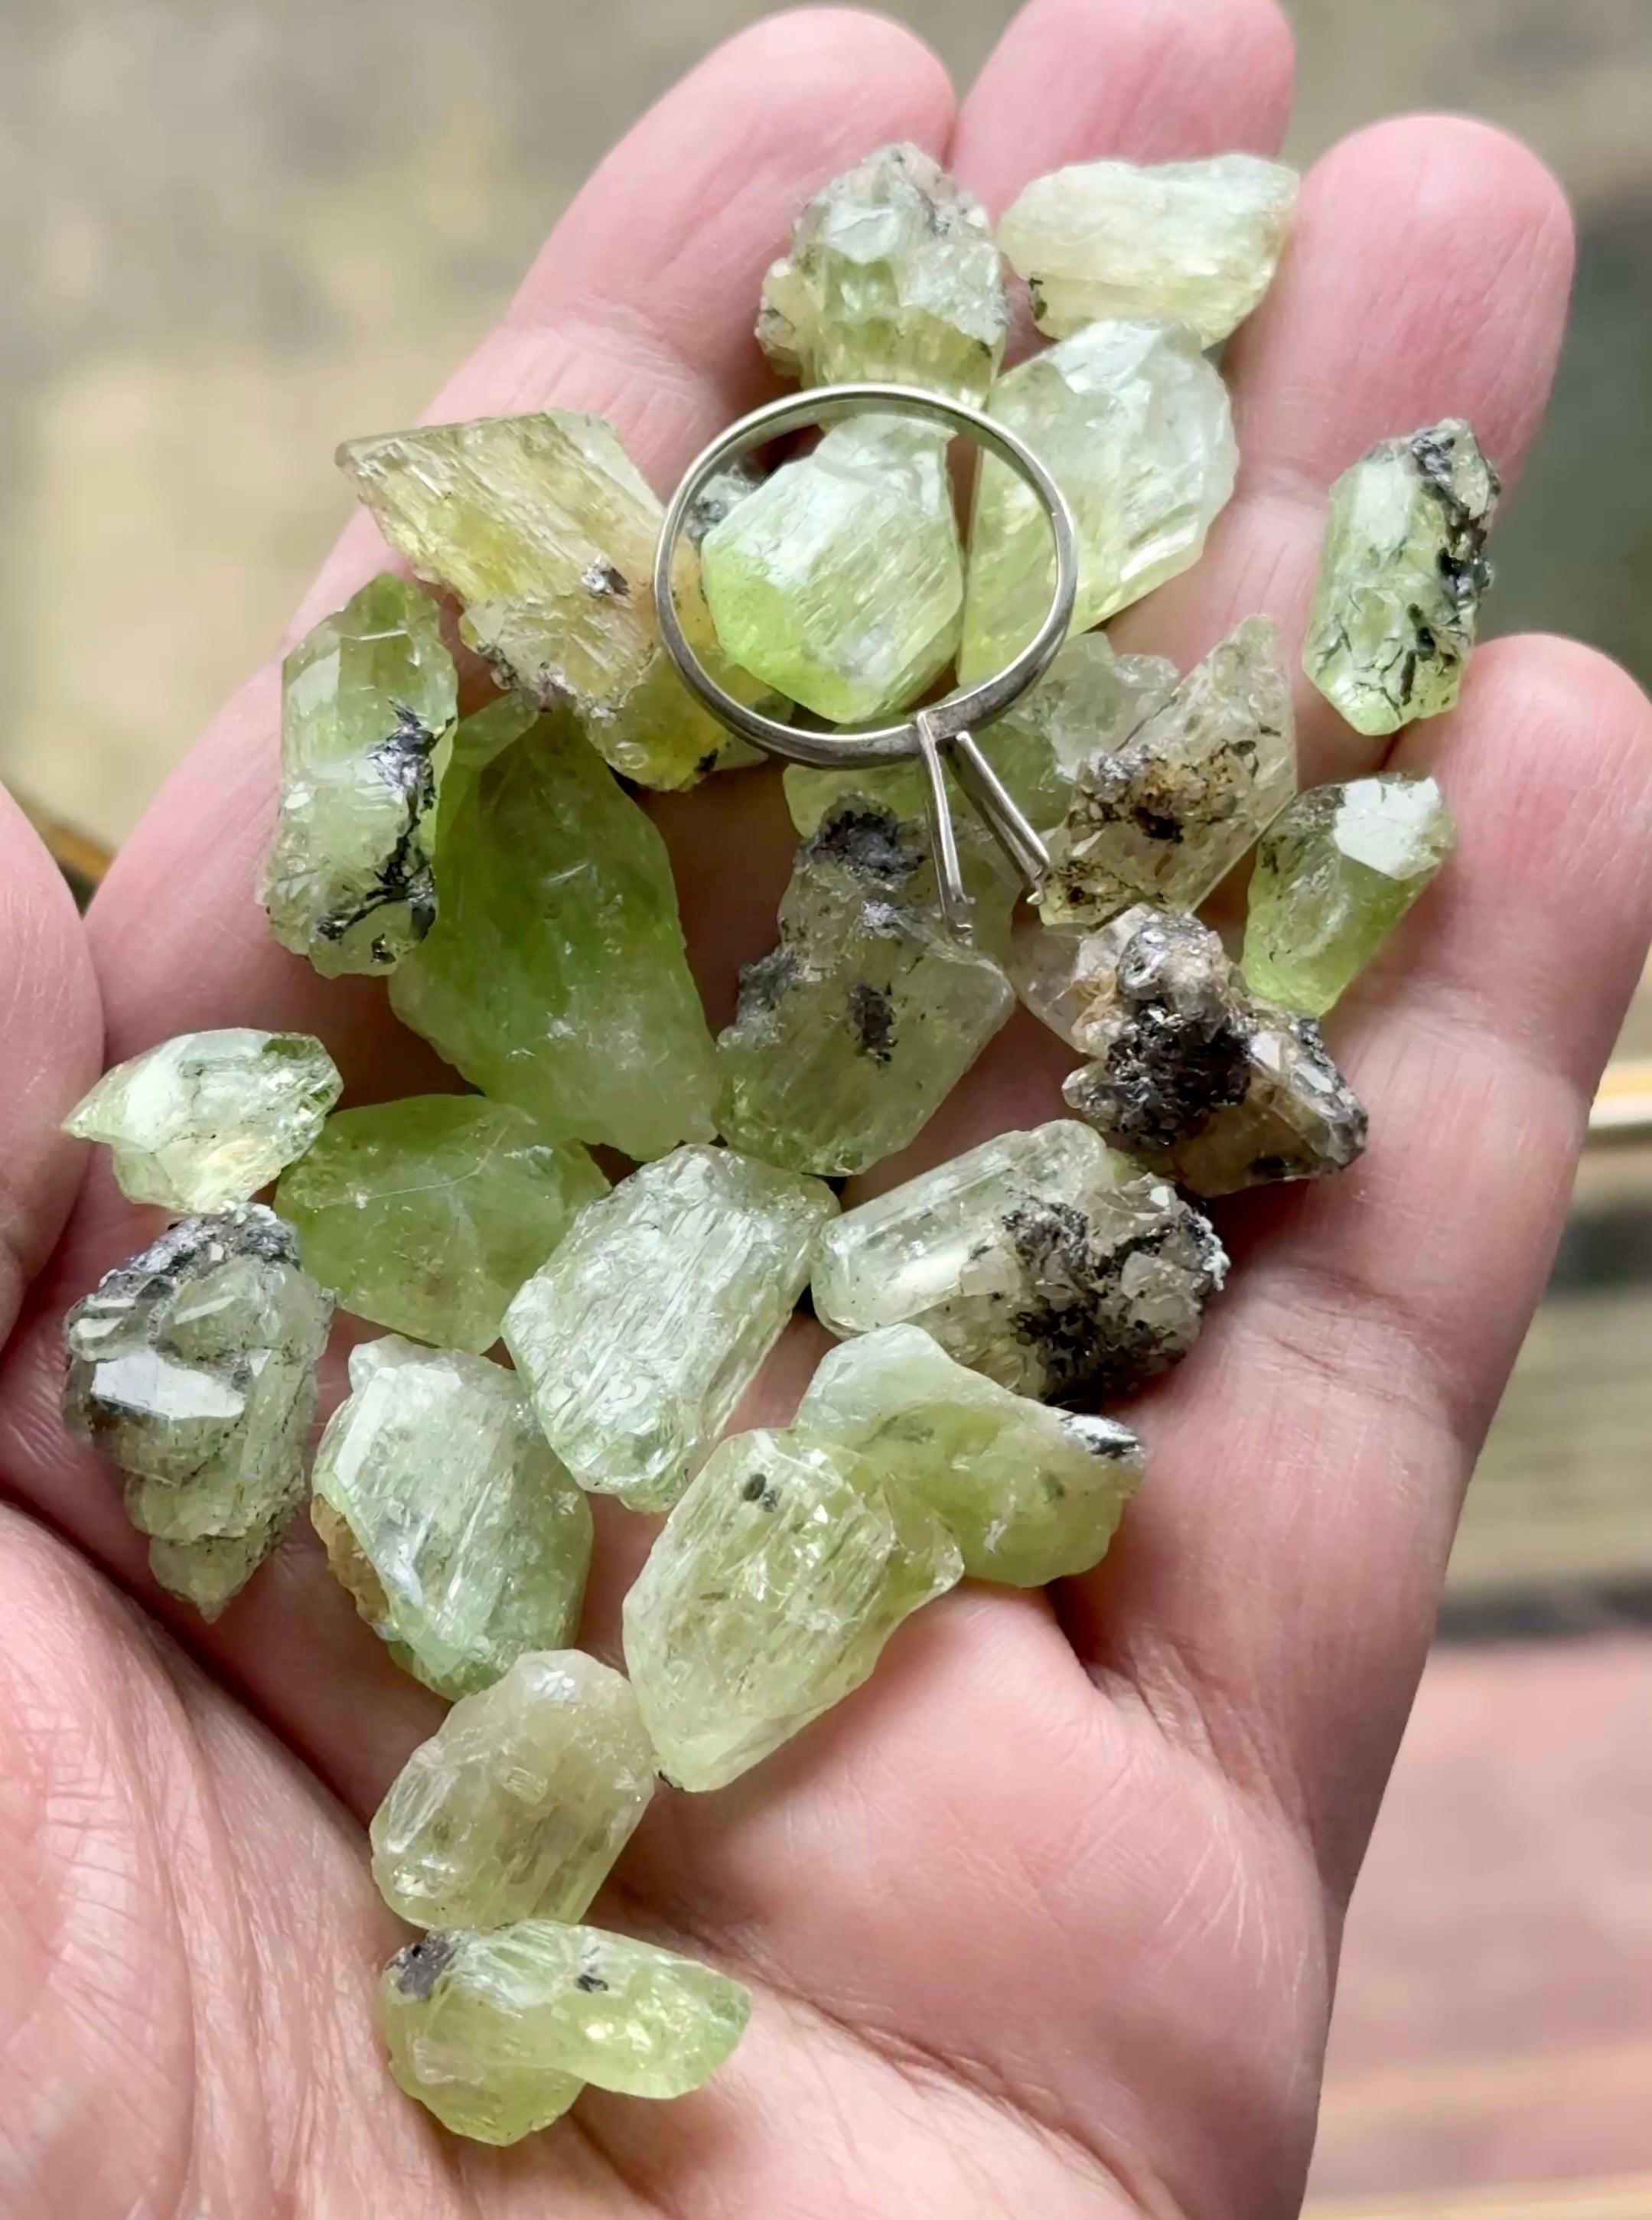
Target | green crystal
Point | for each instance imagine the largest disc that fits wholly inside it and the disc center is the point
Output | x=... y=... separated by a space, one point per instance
x=462 y=1539
x=841 y=581
x=556 y=977
x=768 y=1596
x=518 y=1805
x=643 y=1332
x=192 y=1369
x=1040 y=1259
x=1397 y=606
x=1030 y=1494
x=892 y=276
x=1135 y=426
x=207 y=1119
x=428 y=1214
x=1167 y=815
x=496 y=2032
x=1334 y=875
x=366 y=701
x=1196 y=242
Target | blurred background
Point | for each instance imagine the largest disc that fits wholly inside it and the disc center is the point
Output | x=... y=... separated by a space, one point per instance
x=242 y=229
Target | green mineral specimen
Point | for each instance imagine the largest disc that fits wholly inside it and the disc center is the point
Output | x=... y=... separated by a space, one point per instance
x=768 y=1596
x=1030 y=1494
x=497 y=2033
x=366 y=701
x=1040 y=1259
x=855 y=1029
x=426 y=1215
x=644 y=1329
x=518 y=1805
x=1196 y=242
x=556 y=977
x=1398 y=603
x=892 y=276
x=1334 y=877
x=462 y=1539
x=1134 y=424
x=1168 y=815
x=207 y=1119
x=192 y=1369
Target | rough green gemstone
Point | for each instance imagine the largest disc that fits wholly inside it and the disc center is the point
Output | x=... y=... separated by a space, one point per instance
x=192 y=1369
x=366 y=701
x=556 y=977
x=852 y=1032
x=496 y=2032
x=841 y=581
x=207 y=1119
x=1334 y=875
x=1167 y=815
x=1041 y=1259
x=769 y=1595
x=1195 y=242
x=1135 y=425
x=892 y=276
x=1397 y=605
x=643 y=1332
x=428 y=1214
x=518 y=1805
x=462 y=1539
x=1030 y=1494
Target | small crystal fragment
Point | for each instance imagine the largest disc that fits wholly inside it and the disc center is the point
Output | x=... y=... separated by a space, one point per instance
x=854 y=1030
x=366 y=701
x=892 y=276
x=496 y=2032
x=1191 y=1077
x=518 y=1805
x=1040 y=1259
x=192 y=1369
x=644 y=1329
x=206 y=1119
x=1167 y=815
x=1135 y=426
x=462 y=1539
x=769 y=1595
x=1030 y=1494
x=1197 y=242
x=1398 y=603
x=1334 y=875
x=426 y=1214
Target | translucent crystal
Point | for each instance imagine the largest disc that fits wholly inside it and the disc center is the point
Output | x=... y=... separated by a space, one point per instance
x=1167 y=815
x=519 y=1803
x=892 y=276
x=854 y=1030
x=1197 y=242
x=207 y=1119
x=496 y=2032
x=556 y=978
x=192 y=1369
x=644 y=1329
x=1135 y=425
x=1030 y=1494
x=366 y=699
x=1334 y=875
x=460 y=1536
x=426 y=1215
x=1191 y=1077
x=1398 y=603
x=768 y=1596
x=1040 y=1259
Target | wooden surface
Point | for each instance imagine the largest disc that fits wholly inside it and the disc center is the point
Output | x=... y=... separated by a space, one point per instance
x=1555 y=2200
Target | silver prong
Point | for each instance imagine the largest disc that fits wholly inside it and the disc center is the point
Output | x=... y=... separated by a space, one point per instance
x=955 y=907
x=999 y=813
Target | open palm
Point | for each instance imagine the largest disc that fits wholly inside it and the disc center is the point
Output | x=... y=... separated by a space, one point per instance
x=1043 y=1921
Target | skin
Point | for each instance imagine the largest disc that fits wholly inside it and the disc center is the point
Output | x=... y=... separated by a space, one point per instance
x=1045 y=1920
